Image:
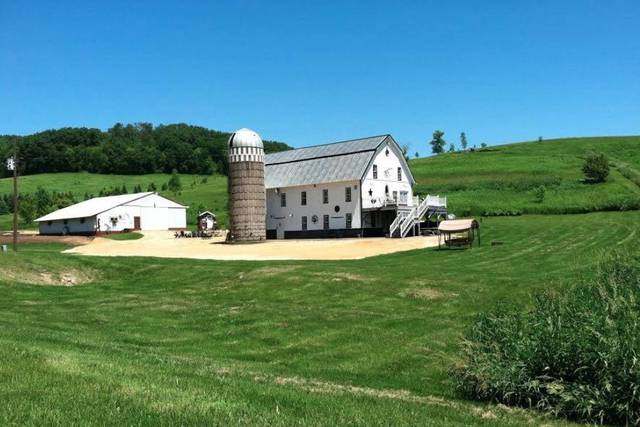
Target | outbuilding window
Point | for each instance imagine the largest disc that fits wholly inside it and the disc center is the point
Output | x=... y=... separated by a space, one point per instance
x=347 y=194
x=325 y=222
x=65 y=222
x=399 y=174
x=283 y=200
x=304 y=222
x=375 y=171
x=348 y=219
x=303 y=198
x=81 y=220
x=325 y=196
x=49 y=222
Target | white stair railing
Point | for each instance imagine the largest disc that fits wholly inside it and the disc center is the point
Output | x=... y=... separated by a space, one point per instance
x=408 y=222
x=397 y=222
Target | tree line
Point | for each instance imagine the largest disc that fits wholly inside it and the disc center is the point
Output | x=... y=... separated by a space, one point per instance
x=42 y=201
x=131 y=149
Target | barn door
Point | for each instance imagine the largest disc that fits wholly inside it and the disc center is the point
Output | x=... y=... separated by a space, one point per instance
x=136 y=223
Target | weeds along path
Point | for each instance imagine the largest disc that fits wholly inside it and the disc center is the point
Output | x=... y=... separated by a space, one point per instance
x=627 y=171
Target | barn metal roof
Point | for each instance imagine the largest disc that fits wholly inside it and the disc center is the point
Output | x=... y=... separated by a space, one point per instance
x=336 y=162
x=326 y=150
x=97 y=205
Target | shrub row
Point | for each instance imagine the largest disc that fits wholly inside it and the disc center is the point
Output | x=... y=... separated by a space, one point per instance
x=623 y=204
x=575 y=354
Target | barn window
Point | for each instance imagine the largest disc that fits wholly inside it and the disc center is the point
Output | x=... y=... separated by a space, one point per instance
x=66 y=221
x=395 y=196
x=386 y=190
x=325 y=222
x=386 y=152
x=303 y=198
x=349 y=219
x=304 y=222
x=373 y=220
x=375 y=171
x=399 y=174
x=347 y=194
x=49 y=222
x=325 y=196
x=81 y=220
x=283 y=200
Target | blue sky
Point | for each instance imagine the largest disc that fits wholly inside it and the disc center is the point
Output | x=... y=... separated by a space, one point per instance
x=313 y=72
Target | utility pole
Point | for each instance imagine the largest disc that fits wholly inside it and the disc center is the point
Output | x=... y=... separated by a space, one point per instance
x=15 y=199
x=12 y=165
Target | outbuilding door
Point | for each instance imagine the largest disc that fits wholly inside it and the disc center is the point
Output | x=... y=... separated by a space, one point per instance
x=136 y=223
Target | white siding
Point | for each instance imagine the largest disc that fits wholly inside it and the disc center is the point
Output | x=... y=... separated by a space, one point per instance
x=387 y=166
x=289 y=218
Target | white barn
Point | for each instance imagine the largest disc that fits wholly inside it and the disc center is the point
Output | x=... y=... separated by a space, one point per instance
x=361 y=187
x=114 y=214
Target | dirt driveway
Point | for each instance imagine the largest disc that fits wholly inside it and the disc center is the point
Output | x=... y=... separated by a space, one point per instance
x=32 y=237
x=163 y=244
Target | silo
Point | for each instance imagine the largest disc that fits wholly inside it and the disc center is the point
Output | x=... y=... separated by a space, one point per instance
x=247 y=199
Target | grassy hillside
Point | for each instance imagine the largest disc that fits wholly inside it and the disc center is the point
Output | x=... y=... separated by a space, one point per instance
x=495 y=181
x=185 y=342
x=211 y=194
x=501 y=180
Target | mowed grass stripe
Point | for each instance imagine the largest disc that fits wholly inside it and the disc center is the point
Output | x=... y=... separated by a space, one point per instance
x=385 y=323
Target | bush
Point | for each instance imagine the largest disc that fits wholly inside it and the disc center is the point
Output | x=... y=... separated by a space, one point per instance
x=539 y=193
x=596 y=167
x=575 y=354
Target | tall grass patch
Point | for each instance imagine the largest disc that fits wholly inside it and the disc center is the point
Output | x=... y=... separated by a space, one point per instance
x=574 y=354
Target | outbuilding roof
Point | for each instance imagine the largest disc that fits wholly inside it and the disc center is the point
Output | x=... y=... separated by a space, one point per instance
x=336 y=162
x=97 y=205
x=457 y=225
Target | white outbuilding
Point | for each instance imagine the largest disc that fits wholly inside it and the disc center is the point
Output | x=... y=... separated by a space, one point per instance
x=115 y=214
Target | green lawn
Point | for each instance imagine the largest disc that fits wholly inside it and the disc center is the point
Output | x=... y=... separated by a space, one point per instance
x=368 y=342
x=500 y=180
x=125 y=236
x=212 y=195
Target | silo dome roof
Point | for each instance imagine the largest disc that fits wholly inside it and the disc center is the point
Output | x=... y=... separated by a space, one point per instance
x=245 y=138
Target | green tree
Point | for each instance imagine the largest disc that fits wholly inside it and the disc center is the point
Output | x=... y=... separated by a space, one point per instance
x=417 y=155
x=596 y=167
x=43 y=201
x=124 y=190
x=27 y=208
x=174 y=185
x=452 y=148
x=483 y=145
x=437 y=142
x=463 y=141
x=4 y=209
x=152 y=187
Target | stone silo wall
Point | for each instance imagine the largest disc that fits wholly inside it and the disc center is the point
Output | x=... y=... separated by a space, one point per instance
x=247 y=202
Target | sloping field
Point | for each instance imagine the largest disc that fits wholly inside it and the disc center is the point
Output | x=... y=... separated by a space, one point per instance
x=501 y=180
x=150 y=341
x=208 y=191
x=496 y=181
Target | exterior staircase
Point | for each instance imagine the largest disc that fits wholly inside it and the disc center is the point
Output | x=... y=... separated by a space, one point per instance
x=406 y=220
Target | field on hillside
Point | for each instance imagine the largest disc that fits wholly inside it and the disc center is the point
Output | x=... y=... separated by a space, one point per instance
x=212 y=194
x=501 y=180
x=368 y=342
